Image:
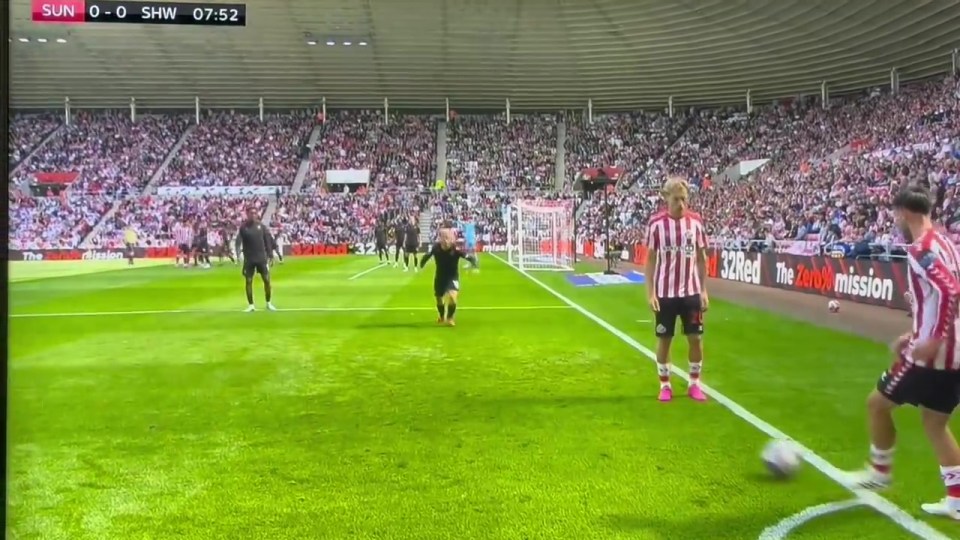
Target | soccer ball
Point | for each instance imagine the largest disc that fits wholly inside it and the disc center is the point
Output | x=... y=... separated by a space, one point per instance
x=833 y=306
x=782 y=458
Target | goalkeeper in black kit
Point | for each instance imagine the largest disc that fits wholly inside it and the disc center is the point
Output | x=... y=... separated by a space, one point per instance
x=446 y=281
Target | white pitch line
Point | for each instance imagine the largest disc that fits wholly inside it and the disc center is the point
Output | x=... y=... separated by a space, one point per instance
x=302 y=309
x=784 y=528
x=367 y=271
x=880 y=504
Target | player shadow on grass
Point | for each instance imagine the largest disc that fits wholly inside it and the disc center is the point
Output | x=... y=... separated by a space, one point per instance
x=695 y=525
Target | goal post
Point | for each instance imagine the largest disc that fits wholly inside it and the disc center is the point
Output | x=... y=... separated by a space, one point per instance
x=540 y=235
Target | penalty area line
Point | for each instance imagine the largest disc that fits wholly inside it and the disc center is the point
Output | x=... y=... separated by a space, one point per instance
x=880 y=504
x=281 y=310
x=367 y=271
x=782 y=529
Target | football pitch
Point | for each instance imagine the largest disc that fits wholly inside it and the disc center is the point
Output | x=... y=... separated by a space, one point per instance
x=144 y=405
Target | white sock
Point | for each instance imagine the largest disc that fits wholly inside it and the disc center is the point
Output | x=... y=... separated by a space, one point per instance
x=951 y=479
x=695 y=372
x=881 y=460
x=663 y=371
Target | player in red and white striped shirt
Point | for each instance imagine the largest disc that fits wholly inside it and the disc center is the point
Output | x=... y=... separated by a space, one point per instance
x=676 y=272
x=183 y=238
x=926 y=370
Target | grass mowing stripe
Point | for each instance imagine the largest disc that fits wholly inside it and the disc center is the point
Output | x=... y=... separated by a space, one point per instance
x=878 y=503
x=304 y=309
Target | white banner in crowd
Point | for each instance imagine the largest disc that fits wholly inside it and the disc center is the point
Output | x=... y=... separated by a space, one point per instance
x=231 y=191
x=348 y=176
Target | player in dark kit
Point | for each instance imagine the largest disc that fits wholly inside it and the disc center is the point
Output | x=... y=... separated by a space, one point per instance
x=411 y=241
x=224 y=249
x=380 y=239
x=255 y=243
x=201 y=248
x=398 y=230
x=446 y=281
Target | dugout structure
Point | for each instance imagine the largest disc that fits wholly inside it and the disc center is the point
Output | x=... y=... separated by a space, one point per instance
x=540 y=235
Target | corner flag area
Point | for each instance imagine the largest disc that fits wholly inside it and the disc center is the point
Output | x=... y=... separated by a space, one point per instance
x=145 y=404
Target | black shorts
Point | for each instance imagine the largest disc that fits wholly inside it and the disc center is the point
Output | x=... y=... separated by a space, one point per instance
x=184 y=249
x=251 y=268
x=908 y=384
x=411 y=249
x=443 y=285
x=381 y=246
x=687 y=308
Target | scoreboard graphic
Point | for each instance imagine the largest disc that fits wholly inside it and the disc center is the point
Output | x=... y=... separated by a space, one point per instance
x=113 y=11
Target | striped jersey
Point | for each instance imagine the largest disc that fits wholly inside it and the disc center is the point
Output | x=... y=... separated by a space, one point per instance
x=182 y=234
x=933 y=272
x=676 y=242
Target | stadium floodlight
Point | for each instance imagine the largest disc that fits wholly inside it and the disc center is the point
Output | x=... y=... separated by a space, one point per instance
x=540 y=235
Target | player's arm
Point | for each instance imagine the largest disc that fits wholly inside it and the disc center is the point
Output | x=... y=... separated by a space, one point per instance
x=942 y=280
x=469 y=257
x=701 y=246
x=426 y=258
x=650 y=268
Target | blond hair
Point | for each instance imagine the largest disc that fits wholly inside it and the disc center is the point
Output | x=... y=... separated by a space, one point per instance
x=675 y=185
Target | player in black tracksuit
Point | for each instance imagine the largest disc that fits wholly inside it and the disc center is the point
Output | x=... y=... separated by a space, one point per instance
x=446 y=281
x=398 y=230
x=201 y=248
x=380 y=239
x=223 y=250
x=256 y=243
x=411 y=245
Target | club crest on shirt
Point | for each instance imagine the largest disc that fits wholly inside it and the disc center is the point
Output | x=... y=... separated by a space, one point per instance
x=689 y=244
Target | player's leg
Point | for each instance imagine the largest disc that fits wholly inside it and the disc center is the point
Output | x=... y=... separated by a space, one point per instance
x=439 y=293
x=943 y=396
x=693 y=329
x=452 y=295
x=897 y=386
x=279 y=250
x=666 y=321
x=396 y=256
x=264 y=272
x=248 y=271
x=406 y=260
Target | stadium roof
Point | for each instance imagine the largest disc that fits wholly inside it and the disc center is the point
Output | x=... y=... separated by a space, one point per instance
x=541 y=54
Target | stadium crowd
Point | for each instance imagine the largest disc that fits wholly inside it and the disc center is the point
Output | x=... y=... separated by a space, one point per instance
x=486 y=153
x=26 y=132
x=233 y=149
x=829 y=176
x=336 y=218
x=112 y=155
x=400 y=153
x=53 y=222
x=152 y=217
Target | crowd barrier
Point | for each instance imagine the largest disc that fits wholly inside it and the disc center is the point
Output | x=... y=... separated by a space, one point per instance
x=866 y=281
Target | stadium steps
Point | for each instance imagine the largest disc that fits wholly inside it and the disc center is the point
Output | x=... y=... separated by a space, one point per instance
x=687 y=124
x=426 y=226
x=560 y=170
x=53 y=133
x=270 y=210
x=441 y=152
x=151 y=186
x=148 y=189
x=305 y=163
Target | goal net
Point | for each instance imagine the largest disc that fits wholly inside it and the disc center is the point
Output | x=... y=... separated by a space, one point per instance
x=540 y=235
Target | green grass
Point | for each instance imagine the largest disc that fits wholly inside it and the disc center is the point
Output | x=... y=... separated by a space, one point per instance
x=376 y=423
